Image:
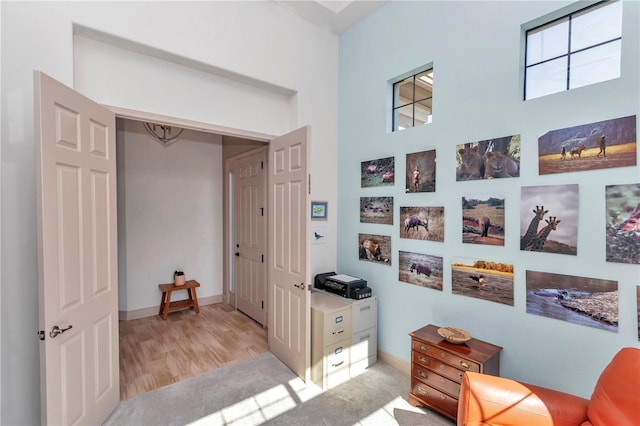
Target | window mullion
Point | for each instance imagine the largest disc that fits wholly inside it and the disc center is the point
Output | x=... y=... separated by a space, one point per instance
x=569 y=52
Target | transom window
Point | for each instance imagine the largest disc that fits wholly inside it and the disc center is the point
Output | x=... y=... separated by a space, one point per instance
x=412 y=100
x=575 y=50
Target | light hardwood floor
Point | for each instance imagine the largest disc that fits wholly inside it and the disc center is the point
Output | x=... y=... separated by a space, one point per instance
x=154 y=352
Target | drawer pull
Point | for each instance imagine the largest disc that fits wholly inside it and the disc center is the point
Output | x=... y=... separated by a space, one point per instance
x=338 y=331
x=443 y=354
x=464 y=364
x=364 y=308
x=443 y=381
x=423 y=360
x=338 y=364
x=365 y=337
x=423 y=375
x=422 y=391
x=442 y=397
x=424 y=348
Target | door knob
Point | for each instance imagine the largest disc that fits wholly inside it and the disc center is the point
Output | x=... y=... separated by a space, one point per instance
x=57 y=330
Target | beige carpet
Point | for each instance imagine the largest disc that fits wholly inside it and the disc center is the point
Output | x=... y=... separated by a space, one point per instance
x=262 y=390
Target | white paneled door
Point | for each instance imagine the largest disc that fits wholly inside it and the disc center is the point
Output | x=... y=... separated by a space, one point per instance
x=250 y=221
x=288 y=287
x=77 y=255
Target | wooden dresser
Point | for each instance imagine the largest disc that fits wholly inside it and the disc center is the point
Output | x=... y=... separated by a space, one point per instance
x=437 y=367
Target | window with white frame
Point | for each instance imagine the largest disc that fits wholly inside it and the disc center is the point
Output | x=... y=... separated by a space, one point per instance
x=575 y=50
x=412 y=100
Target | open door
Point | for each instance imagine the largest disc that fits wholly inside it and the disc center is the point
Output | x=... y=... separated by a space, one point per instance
x=289 y=296
x=77 y=255
x=250 y=235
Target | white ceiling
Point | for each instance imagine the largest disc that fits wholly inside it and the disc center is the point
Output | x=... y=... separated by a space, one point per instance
x=336 y=15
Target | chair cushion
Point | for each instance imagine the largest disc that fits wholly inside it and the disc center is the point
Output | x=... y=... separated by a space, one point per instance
x=616 y=397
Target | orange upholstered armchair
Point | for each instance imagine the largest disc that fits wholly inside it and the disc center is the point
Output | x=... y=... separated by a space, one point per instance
x=490 y=400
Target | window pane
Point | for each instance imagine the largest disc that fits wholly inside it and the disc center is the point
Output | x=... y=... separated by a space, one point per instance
x=424 y=109
x=403 y=92
x=547 y=42
x=594 y=65
x=596 y=25
x=403 y=118
x=544 y=79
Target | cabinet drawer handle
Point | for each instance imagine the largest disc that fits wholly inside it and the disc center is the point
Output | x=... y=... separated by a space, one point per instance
x=424 y=348
x=423 y=375
x=364 y=308
x=422 y=391
x=464 y=364
x=365 y=337
x=423 y=360
x=338 y=364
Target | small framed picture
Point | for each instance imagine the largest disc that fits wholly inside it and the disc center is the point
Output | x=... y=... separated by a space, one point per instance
x=319 y=210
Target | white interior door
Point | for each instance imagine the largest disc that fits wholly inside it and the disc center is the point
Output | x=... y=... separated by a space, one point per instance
x=77 y=255
x=251 y=235
x=289 y=296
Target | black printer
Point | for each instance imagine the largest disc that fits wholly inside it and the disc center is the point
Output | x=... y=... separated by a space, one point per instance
x=343 y=285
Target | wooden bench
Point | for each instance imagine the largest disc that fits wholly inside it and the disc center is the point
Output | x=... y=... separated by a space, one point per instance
x=166 y=305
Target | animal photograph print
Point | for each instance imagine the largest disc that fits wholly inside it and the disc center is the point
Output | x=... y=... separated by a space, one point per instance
x=600 y=145
x=638 y=308
x=376 y=210
x=581 y=300
x=422 y=223
x=483 y=220
x=420 y=269
x=481 y=279
x=549 y=219
x=421 y=172
x=380 y=172
x=488 y=159
x=622 y=231
x=374 y=248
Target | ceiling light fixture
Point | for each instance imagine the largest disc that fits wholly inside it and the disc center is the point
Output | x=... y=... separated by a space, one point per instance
x=162 y=132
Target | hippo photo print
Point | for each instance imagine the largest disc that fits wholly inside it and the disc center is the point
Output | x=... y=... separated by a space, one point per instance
x=421 y=172
x=378 y=172
x=420 y=269
x=483 y=220
x=422 y=223
x=549 y=219
x=489 y=159
x=601 y=145
x=580 y=300
x=374 y=248
x=623 y=223
x=376 y=210
x=482 y=279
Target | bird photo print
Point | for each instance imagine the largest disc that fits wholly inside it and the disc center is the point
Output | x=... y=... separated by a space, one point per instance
x=482 y=279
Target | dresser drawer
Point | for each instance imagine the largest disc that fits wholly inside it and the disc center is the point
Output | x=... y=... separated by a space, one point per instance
x=434 y=398
x=445 y=356
x=429 y=377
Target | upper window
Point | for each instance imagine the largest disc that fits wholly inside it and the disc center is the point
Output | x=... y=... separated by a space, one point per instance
x=575 y=50
x=412 y=100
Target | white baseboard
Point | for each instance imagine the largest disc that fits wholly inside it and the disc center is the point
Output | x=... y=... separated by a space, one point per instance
x=153 y=310
x=395 y=362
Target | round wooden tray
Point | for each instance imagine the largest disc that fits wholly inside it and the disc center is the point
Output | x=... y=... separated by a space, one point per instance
x=454 y=335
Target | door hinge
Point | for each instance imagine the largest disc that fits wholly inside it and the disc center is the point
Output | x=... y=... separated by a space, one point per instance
x=309 y=184
x=262 y=211
x=263 y=258
x=41 y=334
x=263 y=304
x=261 y=164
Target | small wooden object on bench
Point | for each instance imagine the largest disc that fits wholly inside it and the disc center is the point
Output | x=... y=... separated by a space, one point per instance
x=166 y=305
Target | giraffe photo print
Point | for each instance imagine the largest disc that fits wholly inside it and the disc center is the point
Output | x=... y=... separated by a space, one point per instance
x=600 y=145
x=549 y=219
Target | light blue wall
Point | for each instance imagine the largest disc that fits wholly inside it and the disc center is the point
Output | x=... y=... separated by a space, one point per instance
x=476 y=49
